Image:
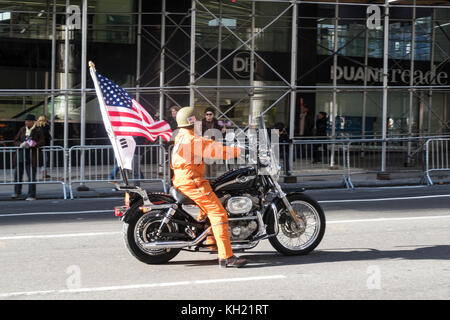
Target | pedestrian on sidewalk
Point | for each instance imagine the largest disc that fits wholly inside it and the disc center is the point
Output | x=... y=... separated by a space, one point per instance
x=321 y=134
x=43 y=125
x=285 y=141
x=28 y=157
x=306 y=131
x=172 y=120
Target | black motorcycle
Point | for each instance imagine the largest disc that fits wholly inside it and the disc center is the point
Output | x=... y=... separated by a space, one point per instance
x=158 y=225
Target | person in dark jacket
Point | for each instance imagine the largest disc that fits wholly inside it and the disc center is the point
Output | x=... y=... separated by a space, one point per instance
x=284 y=141
x=210 y=122
x=28 y=157
x=43 y=125
x=306 y=123
x=172 y=119
x=306 y=132
x=320 y=150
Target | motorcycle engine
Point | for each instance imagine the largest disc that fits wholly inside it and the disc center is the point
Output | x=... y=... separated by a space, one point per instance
x=241 y=230
x=244 y=205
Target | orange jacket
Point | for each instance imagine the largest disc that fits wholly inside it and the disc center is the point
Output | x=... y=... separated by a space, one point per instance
x=189 y=153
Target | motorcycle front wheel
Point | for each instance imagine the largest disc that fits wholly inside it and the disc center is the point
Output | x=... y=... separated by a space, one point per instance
x=141 y=229
x=294 y=239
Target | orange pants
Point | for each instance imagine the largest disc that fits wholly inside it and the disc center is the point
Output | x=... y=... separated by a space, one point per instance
x=201 y=193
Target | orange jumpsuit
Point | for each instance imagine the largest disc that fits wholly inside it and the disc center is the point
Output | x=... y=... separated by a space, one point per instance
x=189 y=167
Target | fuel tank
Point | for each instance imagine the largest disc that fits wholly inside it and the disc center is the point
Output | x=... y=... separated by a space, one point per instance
x=239 y=179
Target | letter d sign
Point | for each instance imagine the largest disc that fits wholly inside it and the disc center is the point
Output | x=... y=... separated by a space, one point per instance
x=373 y=17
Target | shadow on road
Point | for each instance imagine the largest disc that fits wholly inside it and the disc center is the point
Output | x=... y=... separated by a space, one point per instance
x=439 y=252
x=260 y=259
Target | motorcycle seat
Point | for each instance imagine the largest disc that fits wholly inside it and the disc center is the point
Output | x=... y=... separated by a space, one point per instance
x=179 y=197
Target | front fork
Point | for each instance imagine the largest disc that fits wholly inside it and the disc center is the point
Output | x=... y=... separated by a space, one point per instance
x=286 y=202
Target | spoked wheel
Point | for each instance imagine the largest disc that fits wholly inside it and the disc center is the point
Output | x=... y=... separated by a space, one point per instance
x=302 y=238
x=143 y=229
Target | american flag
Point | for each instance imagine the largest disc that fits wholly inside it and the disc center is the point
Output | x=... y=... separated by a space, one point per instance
x=127 y=116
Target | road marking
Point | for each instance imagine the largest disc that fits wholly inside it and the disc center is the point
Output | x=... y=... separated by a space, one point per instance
x=52 y=213
x=386 y=199
x=388 y=219
x=97 y=234
x=139 y=286
x=67 y=235
x=321 y=201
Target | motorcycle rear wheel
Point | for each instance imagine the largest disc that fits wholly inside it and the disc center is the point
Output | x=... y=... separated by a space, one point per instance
x=140 y=229
x=294 y=240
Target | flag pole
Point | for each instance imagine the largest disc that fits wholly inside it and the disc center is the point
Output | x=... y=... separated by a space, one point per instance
x=107 y=122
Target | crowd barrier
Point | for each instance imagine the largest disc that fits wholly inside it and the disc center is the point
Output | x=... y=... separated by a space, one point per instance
x=100 y=166
x=350 y=157
x=29 y=166
x=314 y=158
x=342 y=158
x=437 y=157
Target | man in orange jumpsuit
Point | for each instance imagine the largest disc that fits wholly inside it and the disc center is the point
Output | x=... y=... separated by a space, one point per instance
x=189 y=167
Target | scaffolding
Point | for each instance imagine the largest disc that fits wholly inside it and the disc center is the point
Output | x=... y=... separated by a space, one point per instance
x=206 y=71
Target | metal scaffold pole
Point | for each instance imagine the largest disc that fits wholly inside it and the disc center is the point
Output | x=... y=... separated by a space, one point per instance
x=293 y=93
x=432 y=69
x=334 y=103
x=219 y=56
x=162 y=63
x=138 y=49
x=366 y=67
x=52 y=83
x=82 y=186
x=411 y=82
x=385 y=86
x=251 y=114
x=162 y=60
x=66 y=87
x=192 y=62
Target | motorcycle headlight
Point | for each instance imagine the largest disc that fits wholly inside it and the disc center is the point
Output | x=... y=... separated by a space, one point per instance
x=238 y=205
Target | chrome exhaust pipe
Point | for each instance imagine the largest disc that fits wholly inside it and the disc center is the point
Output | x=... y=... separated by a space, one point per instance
x=176 y=244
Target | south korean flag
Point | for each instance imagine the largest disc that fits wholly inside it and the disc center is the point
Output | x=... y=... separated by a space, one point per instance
x=126 y=146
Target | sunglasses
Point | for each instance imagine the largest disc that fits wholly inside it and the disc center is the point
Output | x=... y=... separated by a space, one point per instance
x=208 y=114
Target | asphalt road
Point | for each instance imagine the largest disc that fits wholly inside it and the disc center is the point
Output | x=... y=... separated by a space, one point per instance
x=391 y=243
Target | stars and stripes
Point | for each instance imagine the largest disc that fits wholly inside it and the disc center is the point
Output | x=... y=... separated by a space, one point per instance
x=127 y=116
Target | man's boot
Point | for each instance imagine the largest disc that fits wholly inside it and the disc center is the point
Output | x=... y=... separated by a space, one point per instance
x=232 y=262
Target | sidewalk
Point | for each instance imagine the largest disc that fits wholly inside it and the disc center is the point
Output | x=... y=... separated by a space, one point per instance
x=96 y=190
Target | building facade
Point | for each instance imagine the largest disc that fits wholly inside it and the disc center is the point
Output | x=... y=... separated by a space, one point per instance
x=243 y=58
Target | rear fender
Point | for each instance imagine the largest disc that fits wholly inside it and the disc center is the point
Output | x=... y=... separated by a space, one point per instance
x=154 y=197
